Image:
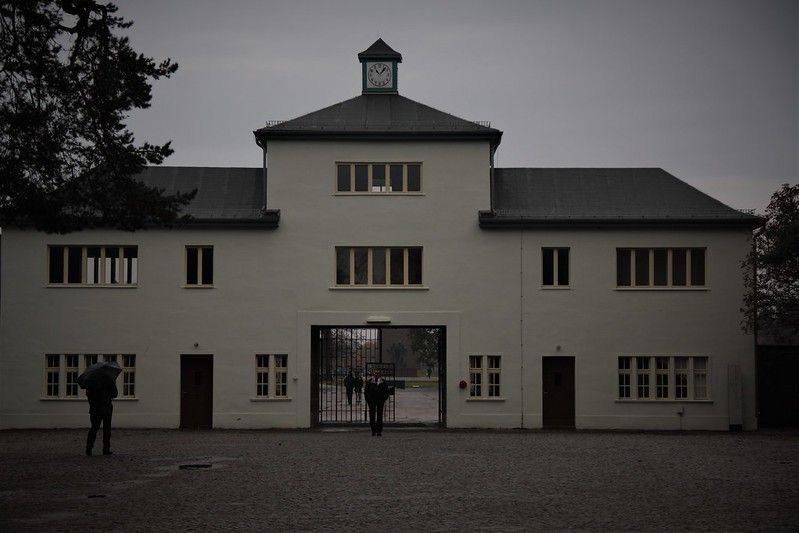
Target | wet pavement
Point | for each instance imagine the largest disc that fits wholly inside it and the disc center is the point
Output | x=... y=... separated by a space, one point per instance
x=406 y=480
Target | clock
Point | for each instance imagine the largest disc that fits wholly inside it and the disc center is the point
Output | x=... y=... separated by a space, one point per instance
x=378 y=75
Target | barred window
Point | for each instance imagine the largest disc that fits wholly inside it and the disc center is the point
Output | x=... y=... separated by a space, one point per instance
x=475 y=376
x=271 y=369
x=662 y=376
x=71 y=362
x=128 y=375
x=642 y=375
x=53 y=374
x=493 y=376
x=624 y=377
x=681 y=378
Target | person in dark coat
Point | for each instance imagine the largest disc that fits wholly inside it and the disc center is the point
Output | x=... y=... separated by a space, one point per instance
x=358 y=387
x=349 y=384
x=100 y=410
x=376 y=395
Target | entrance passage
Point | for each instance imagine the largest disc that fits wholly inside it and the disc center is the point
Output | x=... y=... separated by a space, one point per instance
x=196 y=391
x=410 y=359
x=558 y=391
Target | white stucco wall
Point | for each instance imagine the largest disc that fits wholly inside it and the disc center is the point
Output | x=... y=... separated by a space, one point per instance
x=271 y=286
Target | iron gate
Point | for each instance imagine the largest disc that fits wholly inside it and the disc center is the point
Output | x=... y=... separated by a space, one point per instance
x=342 y=351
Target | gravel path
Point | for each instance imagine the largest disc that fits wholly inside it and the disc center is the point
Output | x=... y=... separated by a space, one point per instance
x=405 y=480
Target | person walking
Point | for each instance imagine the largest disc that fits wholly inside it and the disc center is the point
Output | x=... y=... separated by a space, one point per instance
x=349 y=384
x=376 y=395
x=358 y=387
x=101 y=408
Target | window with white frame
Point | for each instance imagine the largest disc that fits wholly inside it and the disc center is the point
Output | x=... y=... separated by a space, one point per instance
x=660 y=267
x=555 y=267
x=93 y=265
x=378 y=266
x=62 y=371
x=484 y=376
x=378 y=178
x=663 y=378
x=271 y=376
x=199 y=266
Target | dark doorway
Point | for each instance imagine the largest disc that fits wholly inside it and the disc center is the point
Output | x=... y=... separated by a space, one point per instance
x=558 y=391
x=411 y=360
x=196 y=391
x=777 y=392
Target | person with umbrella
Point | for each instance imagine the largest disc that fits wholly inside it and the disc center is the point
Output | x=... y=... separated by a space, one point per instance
x=99 y=380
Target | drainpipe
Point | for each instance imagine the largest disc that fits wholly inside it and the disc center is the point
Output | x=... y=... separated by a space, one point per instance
x=262 y=145
x=491 y=181
x=521 y=319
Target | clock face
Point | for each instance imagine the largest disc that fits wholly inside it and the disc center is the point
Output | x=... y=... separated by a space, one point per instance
x=379 y=75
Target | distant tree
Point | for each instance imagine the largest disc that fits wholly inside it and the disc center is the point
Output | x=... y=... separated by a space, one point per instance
x=771 y=302
x=68 y=82
x=424 y=343
x=397 y=352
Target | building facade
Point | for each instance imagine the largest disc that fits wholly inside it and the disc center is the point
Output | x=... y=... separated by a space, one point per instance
x=587 y=298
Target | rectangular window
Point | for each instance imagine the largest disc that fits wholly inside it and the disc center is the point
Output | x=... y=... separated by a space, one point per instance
x=379 y=266
x=342 y=266
x=414 y=266
x=484 y=381
x=62 y=371
x=372 y=266
x=271 y=368
x=653 y=377
x=555 y=267
x=361 y=265
x=378 y=178
x=475 y=376
x=52 y=374
x=92 y=265
x=128 y=375
x=700 y=378
x=72 y=362
x=624 y=377
x=660 y=267
x=199 y=265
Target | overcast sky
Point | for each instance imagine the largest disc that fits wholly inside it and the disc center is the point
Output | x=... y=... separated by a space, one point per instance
x=707 y=89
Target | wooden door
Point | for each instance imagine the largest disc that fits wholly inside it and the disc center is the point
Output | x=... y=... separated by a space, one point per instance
x=196 y=391
x=558 y=391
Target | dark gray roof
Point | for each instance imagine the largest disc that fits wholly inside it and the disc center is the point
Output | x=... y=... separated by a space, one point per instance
x=377 y=116
x=380 y=50
x=531 y=196
x=224 y=195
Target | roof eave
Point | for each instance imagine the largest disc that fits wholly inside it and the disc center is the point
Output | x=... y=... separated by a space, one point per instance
x=490 y=220
x=263 y=135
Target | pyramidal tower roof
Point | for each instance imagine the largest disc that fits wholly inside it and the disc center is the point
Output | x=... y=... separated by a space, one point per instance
x=380 y=50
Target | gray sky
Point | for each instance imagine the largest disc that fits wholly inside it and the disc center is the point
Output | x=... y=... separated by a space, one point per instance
x=707 y=89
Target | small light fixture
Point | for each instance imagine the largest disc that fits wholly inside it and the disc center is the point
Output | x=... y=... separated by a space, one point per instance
x=378 y=320
x=196 y=344
x=557 y=348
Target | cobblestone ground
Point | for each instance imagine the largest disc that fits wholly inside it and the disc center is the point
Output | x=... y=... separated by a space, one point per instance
x=409 y=480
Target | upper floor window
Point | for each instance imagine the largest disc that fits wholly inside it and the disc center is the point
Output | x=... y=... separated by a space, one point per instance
x=378 y=266
x=378 y=178
x=660 y=267
x=555 y=267
x=199 y=265
x=93 y=265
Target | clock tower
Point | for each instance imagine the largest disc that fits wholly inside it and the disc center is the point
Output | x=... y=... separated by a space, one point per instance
x=379 y=66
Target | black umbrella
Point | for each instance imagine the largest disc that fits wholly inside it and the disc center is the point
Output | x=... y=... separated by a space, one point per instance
x=102 y=374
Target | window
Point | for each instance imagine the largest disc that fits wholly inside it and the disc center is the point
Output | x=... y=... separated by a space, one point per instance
x=660 y=267
x=555 y=267
x=93 y=265
x=663 y=378
x=271 y=369
x=378 y=178
x=62 y=371
x=624 y=377
x=199 y=265
x=484 y=381
x=375 y=266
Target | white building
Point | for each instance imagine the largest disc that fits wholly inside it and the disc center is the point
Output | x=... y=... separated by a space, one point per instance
x=587 y=298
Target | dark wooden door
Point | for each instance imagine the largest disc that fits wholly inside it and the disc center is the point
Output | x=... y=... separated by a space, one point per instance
x=196 y=391
x=558 y=391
